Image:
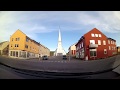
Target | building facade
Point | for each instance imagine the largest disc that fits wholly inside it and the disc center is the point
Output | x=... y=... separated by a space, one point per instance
x=72 y=50
x=118 y=50
x=21 y=46
x=95 y=45
x=44 y=50
x=4 y=48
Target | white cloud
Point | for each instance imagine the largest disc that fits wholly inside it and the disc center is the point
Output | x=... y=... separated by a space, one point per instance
x=32 y=22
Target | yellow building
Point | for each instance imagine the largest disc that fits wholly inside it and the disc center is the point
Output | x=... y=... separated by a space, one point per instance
x=22 y=46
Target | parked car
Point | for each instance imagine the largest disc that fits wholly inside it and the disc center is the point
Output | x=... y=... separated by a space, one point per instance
x=64 y=57
x=45 y=57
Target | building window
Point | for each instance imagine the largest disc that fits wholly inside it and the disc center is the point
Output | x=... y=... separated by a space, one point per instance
x=82 y=44
x=17 y=45
x=92 y=41
x=77 y=47
x=26 y=46
x=11 y=53
x=96 y=35
x=11 y=45
x=93 y=52
x=99 y=42
x=109 y=48
x=18 y=39
x=100 y=35
x=104 y=42
x=12 y=39
x=92 y=35
x=27 y=39
x=108 y=41
x=105 y=51
x=112 y=47
x=111 y=42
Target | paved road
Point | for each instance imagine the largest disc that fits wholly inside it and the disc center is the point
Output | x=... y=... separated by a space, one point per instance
x=9 y=73
x=56 y=64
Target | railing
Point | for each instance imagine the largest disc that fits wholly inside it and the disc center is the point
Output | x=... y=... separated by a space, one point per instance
x=93 y=45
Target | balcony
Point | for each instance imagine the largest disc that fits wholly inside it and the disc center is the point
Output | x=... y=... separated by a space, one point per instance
x=92 y=46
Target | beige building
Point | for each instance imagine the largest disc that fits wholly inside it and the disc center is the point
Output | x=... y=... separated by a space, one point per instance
x=118 y=50
x=4 y=48
x=72 y=50
x=44 y=50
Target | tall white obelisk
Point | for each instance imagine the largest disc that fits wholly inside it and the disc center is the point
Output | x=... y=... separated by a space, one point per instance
x=59 y=51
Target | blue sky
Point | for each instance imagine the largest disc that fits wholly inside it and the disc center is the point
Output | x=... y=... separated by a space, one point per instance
x=43 y=26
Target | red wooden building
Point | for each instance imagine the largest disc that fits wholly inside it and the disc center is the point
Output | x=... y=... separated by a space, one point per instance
x=95 y=45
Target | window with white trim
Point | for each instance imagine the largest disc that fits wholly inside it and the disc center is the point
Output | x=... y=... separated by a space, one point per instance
x=96 y=35
x=92 y=41
x=92 y=35
x=105 y=51
x=109 y=48
x=99 y=42
x=111 y=42
x=112 y=47
x=77 y=48
x=104 y=42
x=82 y=44
x=100 y=35
x=93 y=52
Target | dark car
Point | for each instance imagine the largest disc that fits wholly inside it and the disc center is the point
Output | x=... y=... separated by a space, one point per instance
x=45 y=57
x=64 y=57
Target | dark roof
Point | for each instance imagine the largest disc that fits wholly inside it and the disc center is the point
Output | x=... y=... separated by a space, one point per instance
x=112 y=39
x=80 y=40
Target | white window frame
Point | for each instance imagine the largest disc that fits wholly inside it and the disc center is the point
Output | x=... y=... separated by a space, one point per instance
x=111 y=42
x=93 y=50
x=104 y=42
x=92 y=35
x=105 y=50
x=96 y=35
x=100 y=35
x=109 y=48
x=93 y=41
x=99 y=42
x=82 y=44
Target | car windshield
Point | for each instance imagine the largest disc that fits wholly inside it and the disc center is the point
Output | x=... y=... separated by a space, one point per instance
x=60 y=44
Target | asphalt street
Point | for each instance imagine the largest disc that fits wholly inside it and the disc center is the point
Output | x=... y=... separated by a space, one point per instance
x=56 y=64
